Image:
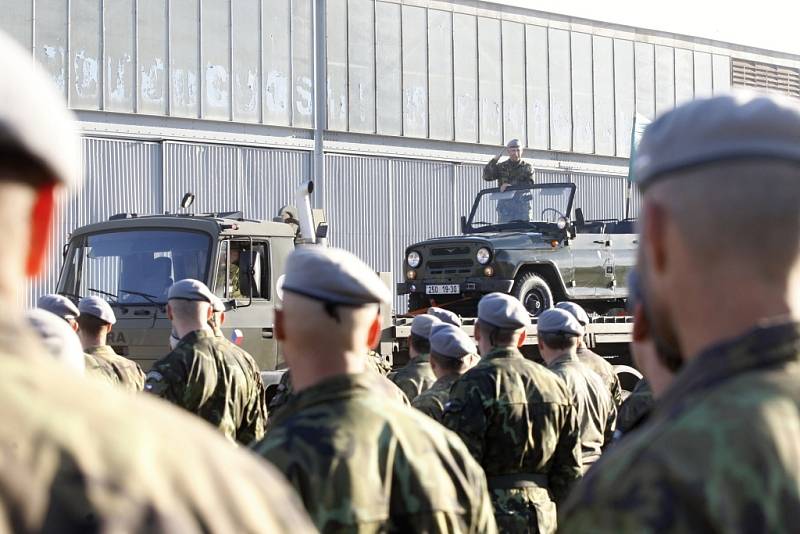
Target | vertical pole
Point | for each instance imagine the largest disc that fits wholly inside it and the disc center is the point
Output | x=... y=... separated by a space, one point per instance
x=320 y=102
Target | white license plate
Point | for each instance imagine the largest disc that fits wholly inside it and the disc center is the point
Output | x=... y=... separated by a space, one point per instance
x=443 y=289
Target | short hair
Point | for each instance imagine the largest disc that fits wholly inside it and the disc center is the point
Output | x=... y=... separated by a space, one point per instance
x=90 y=324
x=558 y=340
x=189 y=309
x=499 y=336
x=449 y=364
x=420 y=344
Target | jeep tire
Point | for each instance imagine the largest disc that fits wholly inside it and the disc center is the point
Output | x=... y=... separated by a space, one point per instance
x=533 y=292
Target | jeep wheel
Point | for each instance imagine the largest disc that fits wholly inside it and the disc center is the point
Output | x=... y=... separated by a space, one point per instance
x=417 y=301
x=533 y=292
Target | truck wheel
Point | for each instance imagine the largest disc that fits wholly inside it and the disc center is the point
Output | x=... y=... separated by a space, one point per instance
x=417 y=301
x=533 y=292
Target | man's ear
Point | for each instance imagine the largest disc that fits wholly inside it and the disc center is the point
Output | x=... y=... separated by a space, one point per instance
x=522 y=336
x=169 y=311
x=476 y=332
x=641 y=326
x=40 y=224
x=654 y=236
x=280 y=333
x=374 y=332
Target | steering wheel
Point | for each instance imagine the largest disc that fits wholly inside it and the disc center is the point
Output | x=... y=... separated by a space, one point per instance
x=541 y=215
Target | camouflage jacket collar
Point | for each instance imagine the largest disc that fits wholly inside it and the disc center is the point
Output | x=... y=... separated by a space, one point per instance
x=336 y=388
x=444 y=382
x=195 y=336
x=564 y=358
x=103 y=350
x=502 y=352
x=422 y=358
x=761 y=348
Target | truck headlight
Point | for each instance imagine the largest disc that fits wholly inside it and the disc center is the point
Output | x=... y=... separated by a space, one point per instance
x=483 y=255
x=413 y=259
x=562 y=223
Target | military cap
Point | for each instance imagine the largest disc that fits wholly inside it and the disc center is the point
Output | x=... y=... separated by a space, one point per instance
x=503 y=311
x=190 y=289
x=58 y=305
x=735 y=126
x=97 y=307
x=558 y=321
x=216 y=304
x=446 y=316
x=514 y=143
x=576 y=310
x=34 y=122
x=333 y=276
x=450 y=341
x=60 y=341
x=422 y=324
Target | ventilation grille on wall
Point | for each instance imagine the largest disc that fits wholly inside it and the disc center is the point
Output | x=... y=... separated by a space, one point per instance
x=785 y=80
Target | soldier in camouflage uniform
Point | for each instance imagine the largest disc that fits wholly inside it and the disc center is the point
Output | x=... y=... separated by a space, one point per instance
x=205 y=374
x=719 y=451
x=517 y=420
x=78 y=456
x=95 y=321
x=511 y=172
x=360 y=462
x=58 y=338
x=635 y=409
x=452 y=355
x=416 y=376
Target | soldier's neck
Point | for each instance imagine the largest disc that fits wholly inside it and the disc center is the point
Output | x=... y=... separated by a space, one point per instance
x=309 y=370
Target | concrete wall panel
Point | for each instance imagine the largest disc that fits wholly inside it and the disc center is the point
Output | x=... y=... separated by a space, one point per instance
x=50 y=40
x=624 y=95
x=277 y=60
x=152 y=56
x=17 y=21
x=582 y=93
x=514 y=106
x=644 y=75
x=538 y=87
x=603 y=69
x=118 y=56
x=665 y=79
x=560 y=90
x=302 y=64
x=465 y=72
x=440 y=74
x=389 y=61
x=703 y=84
x=684 y=76
x=184 y=66
x=415 y=72
x=490 y=82
x=361 y=65
x=246 y=54
x=338 y=105
x=215 y=71
x=721 y=66
x=85 y=54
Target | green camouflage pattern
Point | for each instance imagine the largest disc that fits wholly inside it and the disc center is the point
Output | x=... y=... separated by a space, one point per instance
x=516 y=417
x=99 y=369
x=719 y=452
x=597 y=414
x=508 y=172
x=79 y=456
x=636 y=407
x=363 y=463
x=128 y=373
x=415 y=377
x=605 y=370
x=213 y=378
x=431 y=402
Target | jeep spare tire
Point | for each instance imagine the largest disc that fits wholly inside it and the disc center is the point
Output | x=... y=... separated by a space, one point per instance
x=533 y=292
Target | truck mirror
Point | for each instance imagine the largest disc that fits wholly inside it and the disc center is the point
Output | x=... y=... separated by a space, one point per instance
x=463 y=224
x=187 y=200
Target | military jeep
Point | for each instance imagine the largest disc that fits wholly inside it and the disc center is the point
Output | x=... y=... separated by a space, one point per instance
x=524 y=241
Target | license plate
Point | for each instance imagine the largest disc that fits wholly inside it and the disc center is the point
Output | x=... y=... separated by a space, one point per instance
x=443 y=289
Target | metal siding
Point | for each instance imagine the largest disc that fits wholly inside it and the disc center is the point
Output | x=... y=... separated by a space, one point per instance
x=490 y=83
x=208 y=171
x=514 y=81
x=85 y=61
x=270 y=178
x=603 y=70
x=665 y=79
x=644 y=76
x=50 y=39
x=702 y=75
x=215 y=53
x=17 y=21
x=624 y=95
x=336 y=43
x=302 y=64
x=599 y=196
x=361 y=65
x=246 y=53
x=721 y=66
x=415 y=72
x=538 y=87
x=389 y=63
x=184 y=58
x=152 y=56
x=468 y=183
x=684 y=76
x=560 y=90
x=276 y=56
x=118 y=56
x=465 y=71
x=550 y=177
x=582 y=93
x=440 y=74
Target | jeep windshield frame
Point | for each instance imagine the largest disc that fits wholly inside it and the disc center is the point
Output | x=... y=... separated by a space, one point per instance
x=523 y=208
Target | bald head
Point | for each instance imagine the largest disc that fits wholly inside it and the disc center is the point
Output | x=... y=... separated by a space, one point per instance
x=189 y=315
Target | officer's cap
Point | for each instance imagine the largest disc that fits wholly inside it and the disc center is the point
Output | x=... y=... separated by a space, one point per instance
x=97 y=307
x=576 y=310
x=503 y=311
x=58 y=305
x=34 y=122
x=60 y=341
x=190 y=289
x=736 y=126
x=450 y=341
x=333 y=276
x=446 y=316
x=422 y=324
x=558 y=321
x=514 y=143
x=216 y=304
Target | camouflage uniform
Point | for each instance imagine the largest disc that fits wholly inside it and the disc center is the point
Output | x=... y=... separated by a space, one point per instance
x=431 y=402
x=206 y=376
x=128 y=372
x=636 y=407
x=100 y=369
x=605 y=370
x=364 y=464
x=718 y=454
x=415 y=377
x=511 y=173
x=597 y=415
x=517 y=420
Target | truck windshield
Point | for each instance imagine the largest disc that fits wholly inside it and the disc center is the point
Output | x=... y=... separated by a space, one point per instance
x=134 y=266
x=521 y=205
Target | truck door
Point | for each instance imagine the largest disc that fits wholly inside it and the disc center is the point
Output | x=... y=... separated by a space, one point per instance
x=592 y=260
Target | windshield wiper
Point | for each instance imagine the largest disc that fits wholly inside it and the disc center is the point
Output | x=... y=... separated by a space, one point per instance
x=150 y=298
x=482 y=222
x=106 y=293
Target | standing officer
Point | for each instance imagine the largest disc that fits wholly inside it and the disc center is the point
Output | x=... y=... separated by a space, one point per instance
x=452 y=355
x=204 y=373
x=719 y=260
x=517 y=420
x=78 y=456
x=95 y=321
x=360 y=462
x=513 y=171
x=416 y=376
x=558 y=333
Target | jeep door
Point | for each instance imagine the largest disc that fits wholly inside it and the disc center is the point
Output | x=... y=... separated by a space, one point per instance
x=593 y=265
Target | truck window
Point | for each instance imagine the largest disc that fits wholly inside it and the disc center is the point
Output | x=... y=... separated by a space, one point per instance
x=242 y=271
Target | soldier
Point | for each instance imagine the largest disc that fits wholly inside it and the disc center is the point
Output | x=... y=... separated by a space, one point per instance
x=591 y=359
x=95 y=321
x=205 y=374
x=513 y=171
x=417 y=375
x=77 y=456
x=446 y=316
x=558 y=334
x=517 y=420
x=360 y=462
x=719 y=260
x=451 y=356
x=58 y=338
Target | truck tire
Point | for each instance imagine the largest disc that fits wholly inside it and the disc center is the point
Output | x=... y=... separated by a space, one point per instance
x=533 y=292
x=417 y=301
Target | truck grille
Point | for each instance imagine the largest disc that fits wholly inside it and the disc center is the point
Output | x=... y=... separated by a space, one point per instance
x=450 y=267
x=450 y=251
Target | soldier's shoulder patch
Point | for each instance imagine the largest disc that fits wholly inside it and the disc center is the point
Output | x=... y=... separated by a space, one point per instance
x=453 y=406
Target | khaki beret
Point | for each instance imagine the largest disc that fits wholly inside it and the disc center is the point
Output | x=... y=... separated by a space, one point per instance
x=97 y=307
x=503 y=311
x=58 y=305
x=422 y=324
x=558 y=321
x=576 y=310
x=450 y=341
x=190 y=289
x=445 y=316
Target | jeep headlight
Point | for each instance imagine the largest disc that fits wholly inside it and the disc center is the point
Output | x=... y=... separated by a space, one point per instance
x=562 y=223
x=483 y=255
x=413 y=259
